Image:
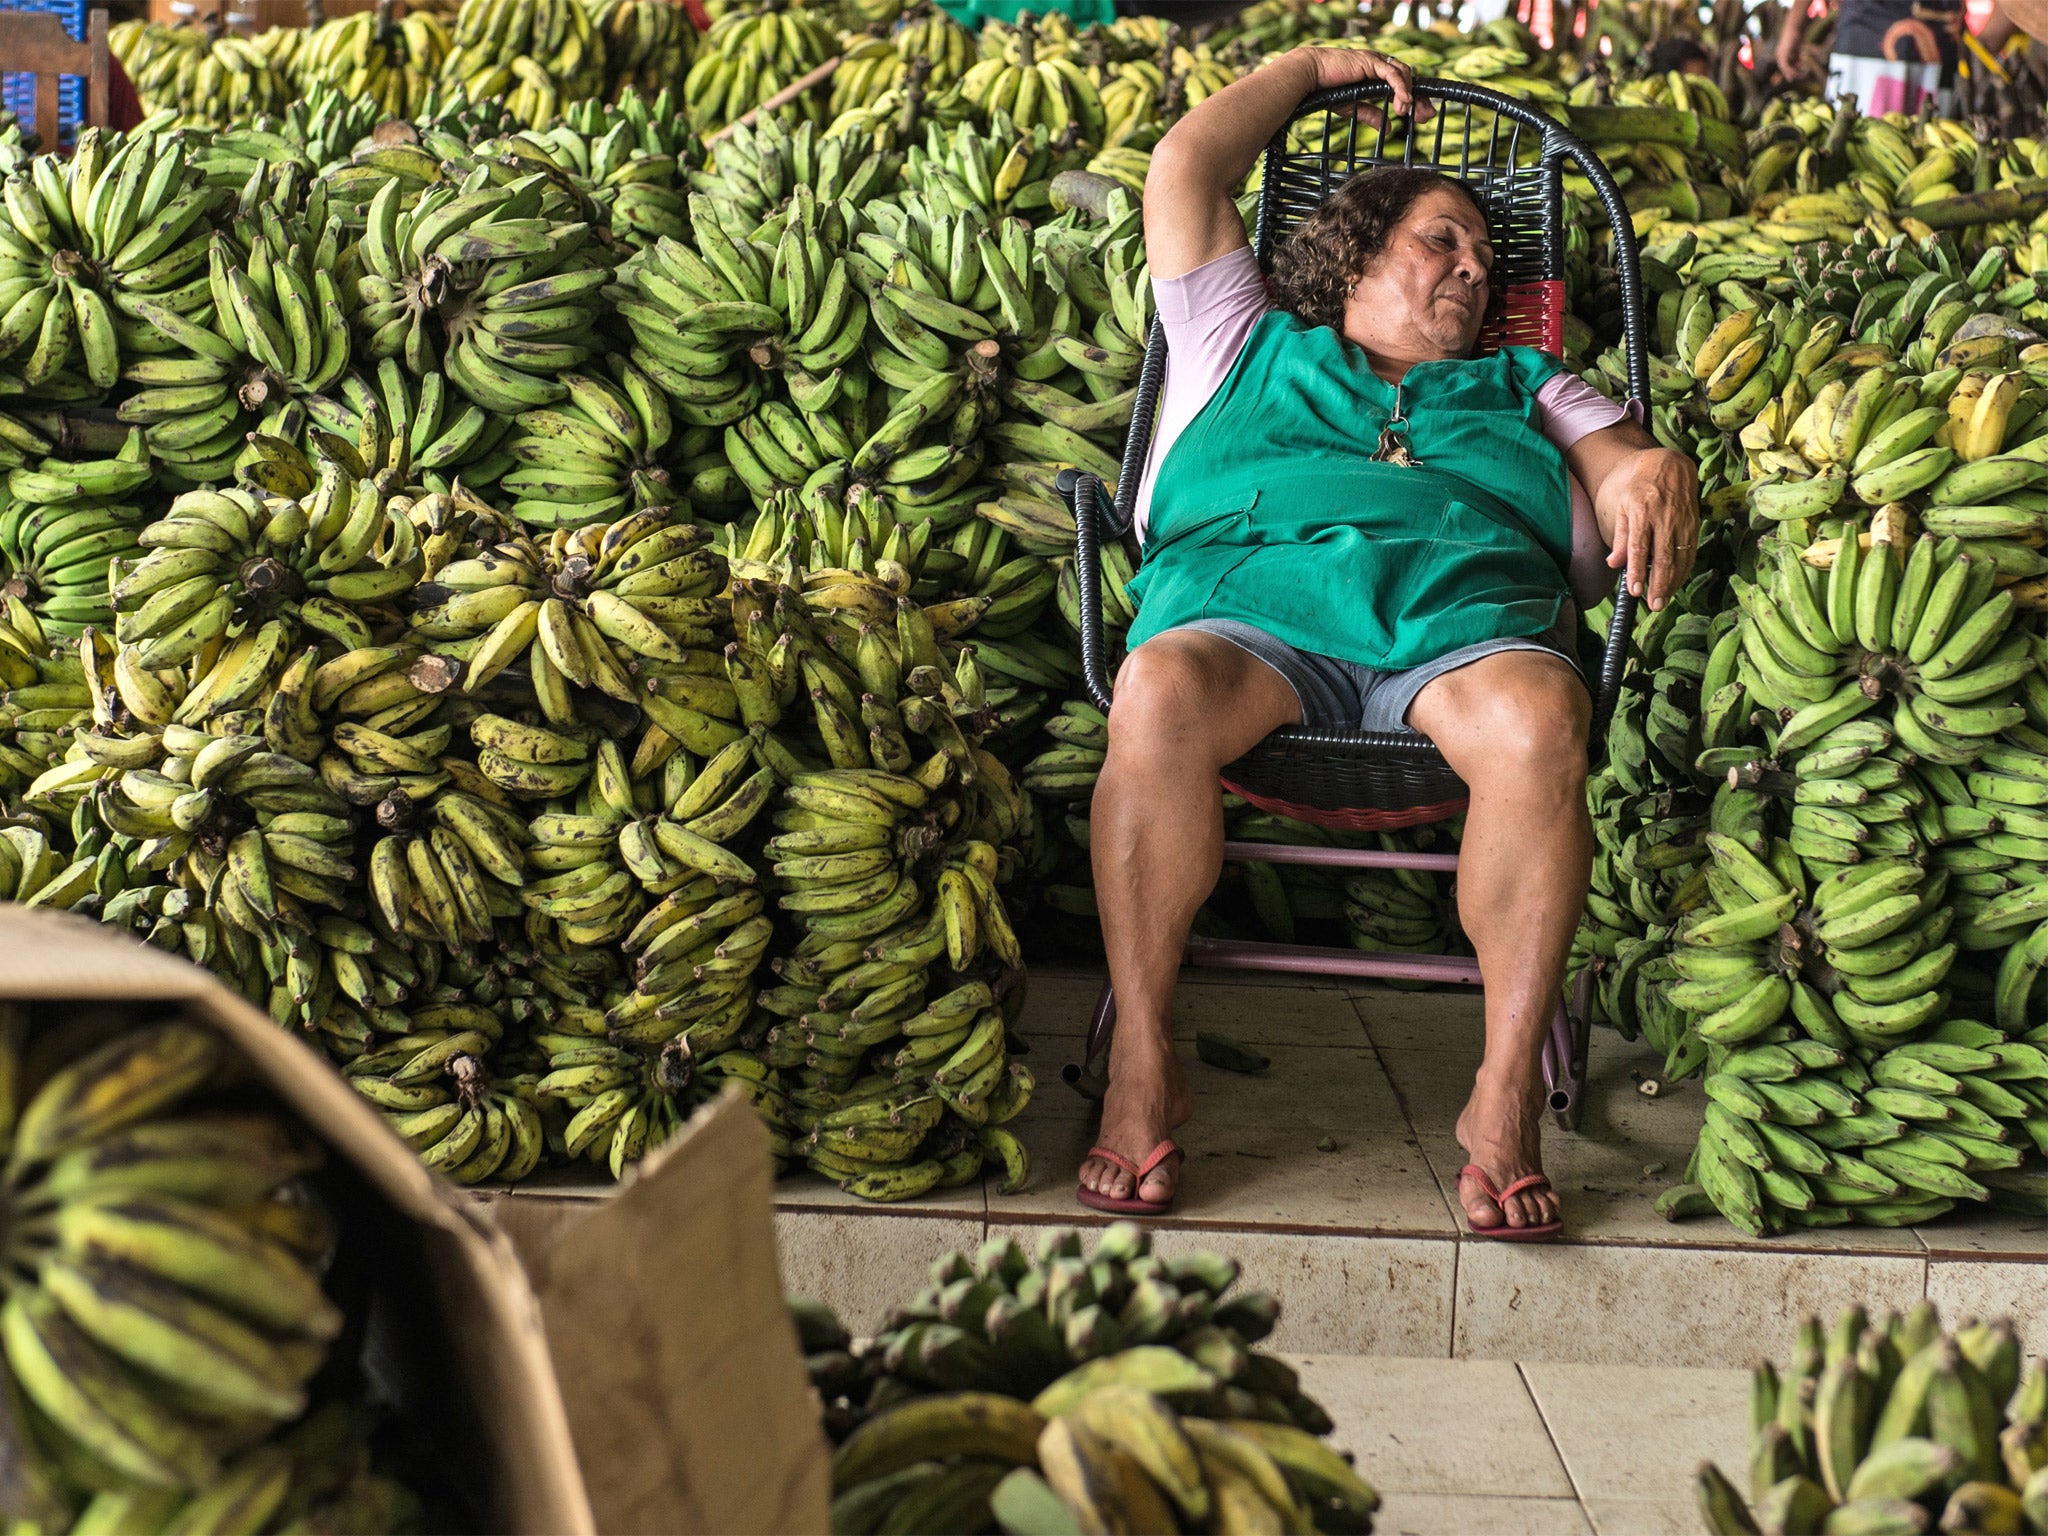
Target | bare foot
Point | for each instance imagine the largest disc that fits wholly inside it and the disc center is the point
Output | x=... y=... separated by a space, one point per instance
x=1147 y=1101
x=1501 y=1130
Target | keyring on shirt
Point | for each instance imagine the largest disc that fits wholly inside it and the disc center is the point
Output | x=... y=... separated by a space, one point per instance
x=1393 y=448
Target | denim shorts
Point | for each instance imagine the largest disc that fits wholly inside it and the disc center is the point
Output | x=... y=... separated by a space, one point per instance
x=1342 y=695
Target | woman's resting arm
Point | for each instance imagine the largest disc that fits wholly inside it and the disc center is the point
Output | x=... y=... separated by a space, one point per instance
x=1647 y=502
x=1567 y=409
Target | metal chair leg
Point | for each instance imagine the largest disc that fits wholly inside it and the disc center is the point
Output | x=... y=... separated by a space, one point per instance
x=1089 y=1077
x=1565 y=1051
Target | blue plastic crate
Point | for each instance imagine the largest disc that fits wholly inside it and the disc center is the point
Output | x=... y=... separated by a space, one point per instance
x=17 y=91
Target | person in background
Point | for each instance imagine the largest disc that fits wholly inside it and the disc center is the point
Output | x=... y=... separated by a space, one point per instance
x=1683 y=54
x=2012 y=18
x=1889 y=54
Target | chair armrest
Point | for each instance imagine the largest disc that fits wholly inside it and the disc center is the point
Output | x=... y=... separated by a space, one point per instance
x=1083 y=492
x=1613 y=662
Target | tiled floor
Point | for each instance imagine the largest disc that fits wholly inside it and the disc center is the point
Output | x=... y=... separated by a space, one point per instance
x=1330 y=1177
x=1485 y=1387
x=1487 y=1448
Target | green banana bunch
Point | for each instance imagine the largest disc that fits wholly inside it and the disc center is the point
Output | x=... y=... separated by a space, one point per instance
x=604 y=451
x=322 y=548
x=194 y=78
x=629 y=158
x=395 y=418
x=1033 y=87
x=163 y=1311
x=1888 y=1424
x=536 y=54
x=1067 y=1362
x=391 y=65
x=1006 y=166
x=99 y=256
x=586 y=611
x=757 y=168
x=63 y=523
x=922 y=43
x=318 y=1472
x=472 y=1126
x=1400 y=910
x=487 y=277
x=646 y=47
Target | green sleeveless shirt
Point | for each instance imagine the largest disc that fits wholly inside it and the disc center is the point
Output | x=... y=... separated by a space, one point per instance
x=1269 y=509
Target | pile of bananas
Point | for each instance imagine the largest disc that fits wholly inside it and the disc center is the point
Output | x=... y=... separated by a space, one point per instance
x=1108 y=1391
x=753 y=53
x=163 y=1311
x=639 y=566
x=198 y=78
x=1803 y=813
x=1896 y=1425
x=365 y=56
x=536 y=56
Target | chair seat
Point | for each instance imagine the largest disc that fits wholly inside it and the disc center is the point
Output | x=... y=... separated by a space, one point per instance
x=1359 y=781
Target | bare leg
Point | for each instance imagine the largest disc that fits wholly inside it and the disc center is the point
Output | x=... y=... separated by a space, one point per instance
x=1186 y=704
x=1513 y=725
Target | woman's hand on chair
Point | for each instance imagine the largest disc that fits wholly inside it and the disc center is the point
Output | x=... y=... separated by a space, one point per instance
x=1349 y=66
x=1656 y=522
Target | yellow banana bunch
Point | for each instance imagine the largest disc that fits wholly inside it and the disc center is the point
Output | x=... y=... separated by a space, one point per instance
x=394 y=66
x=201 y=80
x=749 y=56
x=1030 y=90
x=648 y=45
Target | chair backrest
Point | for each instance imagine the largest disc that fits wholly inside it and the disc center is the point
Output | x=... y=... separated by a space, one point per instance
x=35 y=43
x=1511 y=156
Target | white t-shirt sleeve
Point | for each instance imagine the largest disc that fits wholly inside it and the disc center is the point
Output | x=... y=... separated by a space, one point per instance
x=1208 y=315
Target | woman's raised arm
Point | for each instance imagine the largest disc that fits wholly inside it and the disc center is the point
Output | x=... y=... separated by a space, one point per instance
x=1189 y=215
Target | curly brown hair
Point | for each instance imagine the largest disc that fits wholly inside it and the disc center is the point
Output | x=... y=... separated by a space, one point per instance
x=1317 y=265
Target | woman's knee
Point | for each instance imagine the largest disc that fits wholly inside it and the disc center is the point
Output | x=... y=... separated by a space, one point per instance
x=1536 y=731
x=1164 y=690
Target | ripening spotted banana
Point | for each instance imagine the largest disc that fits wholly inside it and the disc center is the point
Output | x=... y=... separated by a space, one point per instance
x=490 y=282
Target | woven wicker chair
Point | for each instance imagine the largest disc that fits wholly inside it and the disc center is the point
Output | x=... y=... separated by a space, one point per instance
x=1364 y=781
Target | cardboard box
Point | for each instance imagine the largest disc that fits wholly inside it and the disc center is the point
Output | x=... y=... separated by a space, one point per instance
x=454 y=1334
x=678 y=1361
x=624 y=1356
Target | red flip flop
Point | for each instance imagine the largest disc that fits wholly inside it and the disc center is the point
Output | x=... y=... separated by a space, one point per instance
x=1138 y=1172
x=1505 y=1233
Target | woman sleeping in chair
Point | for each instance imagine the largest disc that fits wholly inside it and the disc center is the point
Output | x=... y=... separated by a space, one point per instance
x=1349 y=521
